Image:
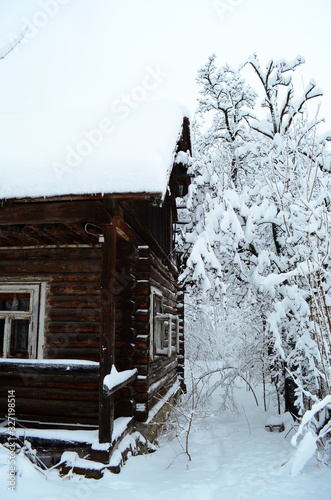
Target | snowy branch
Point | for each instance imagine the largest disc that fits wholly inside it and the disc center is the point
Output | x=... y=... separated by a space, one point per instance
x=4 y=51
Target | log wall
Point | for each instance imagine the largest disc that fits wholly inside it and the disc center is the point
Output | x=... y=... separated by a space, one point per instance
x=125 y=331
x=155 y=375
x=51 y=393
x=72 y=318
x=72 y=329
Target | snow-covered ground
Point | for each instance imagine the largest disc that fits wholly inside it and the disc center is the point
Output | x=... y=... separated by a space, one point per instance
x=233 y=458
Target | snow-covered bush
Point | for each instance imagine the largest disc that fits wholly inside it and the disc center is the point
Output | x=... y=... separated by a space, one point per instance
x=313 y=435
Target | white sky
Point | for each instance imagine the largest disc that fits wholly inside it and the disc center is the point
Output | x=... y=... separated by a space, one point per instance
x=93 y=53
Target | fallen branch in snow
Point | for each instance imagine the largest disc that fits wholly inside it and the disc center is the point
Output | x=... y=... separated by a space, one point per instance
x=25 y=448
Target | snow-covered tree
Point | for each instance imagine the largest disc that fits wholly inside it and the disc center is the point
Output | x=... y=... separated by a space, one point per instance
x=259 y=234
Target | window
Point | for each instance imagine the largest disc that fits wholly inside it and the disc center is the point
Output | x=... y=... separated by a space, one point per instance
x=163 y=327
x=20 y=314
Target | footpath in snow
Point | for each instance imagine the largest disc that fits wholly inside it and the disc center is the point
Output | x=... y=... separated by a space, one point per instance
x=233 y=458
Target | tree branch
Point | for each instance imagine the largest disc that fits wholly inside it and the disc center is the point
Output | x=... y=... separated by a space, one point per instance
x=4 y=51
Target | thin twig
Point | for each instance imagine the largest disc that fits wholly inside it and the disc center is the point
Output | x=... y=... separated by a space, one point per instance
x=249 y=427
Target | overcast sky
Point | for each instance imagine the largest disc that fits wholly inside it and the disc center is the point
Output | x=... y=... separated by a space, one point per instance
x=89 y=53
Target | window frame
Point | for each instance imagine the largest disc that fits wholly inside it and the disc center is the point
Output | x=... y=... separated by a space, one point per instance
x=35 y=315
x=161 y=325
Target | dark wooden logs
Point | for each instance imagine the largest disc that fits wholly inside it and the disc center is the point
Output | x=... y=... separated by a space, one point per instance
x=97 y=306
x=107 y=331
x=51 y=392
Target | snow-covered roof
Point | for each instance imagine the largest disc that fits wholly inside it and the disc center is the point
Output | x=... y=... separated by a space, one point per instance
x=53 y=143
x=61 y=154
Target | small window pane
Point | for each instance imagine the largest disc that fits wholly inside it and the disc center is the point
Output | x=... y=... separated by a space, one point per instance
x=14 y=302
x=19 y=338
x=159 y=343
x=159 y=336
x=2 y=336
x=24 y=304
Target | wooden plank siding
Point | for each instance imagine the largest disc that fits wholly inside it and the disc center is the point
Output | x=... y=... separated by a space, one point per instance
x=71 y=331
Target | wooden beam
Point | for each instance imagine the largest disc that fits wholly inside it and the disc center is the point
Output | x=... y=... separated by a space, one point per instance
x=107 y=334
x=135 y=225
x=98 y=196
x=124 y=230
x=129 y=380
x=48 y=212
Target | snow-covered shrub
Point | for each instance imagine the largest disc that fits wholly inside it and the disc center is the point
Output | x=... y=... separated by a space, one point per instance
x=313 y=435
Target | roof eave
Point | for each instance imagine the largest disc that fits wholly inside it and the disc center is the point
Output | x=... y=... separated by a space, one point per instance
x=96 y=196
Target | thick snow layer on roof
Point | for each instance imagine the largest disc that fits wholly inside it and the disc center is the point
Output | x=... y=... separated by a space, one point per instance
x=71 y=121
x=70 y=153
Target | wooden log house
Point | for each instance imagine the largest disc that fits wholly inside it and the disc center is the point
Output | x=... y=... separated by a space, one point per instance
x=88 y=282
